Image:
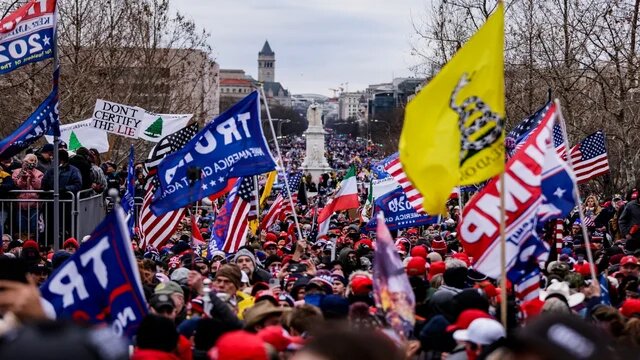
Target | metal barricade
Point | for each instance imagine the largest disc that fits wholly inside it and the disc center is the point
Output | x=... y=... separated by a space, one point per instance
x=89 y=212
x=32 y=218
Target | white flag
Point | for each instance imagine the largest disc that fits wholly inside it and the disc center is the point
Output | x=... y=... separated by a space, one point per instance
x=156 y=126
x=83 y=134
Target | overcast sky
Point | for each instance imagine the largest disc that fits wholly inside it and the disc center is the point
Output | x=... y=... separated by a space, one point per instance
x=319 y=44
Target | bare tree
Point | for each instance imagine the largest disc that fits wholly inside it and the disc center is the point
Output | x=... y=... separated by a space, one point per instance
x=584 y=52
x=136 y=52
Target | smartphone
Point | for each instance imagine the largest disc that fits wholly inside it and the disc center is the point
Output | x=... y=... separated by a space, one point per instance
x=297 y=268
x=13 y=269
x=274 y=283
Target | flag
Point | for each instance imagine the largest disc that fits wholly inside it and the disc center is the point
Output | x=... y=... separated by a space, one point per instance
x=368 y=205
x=529 y=287
x=27 y=35
x=518 y=135
x=590 y=157
x=196 y=235
x=281 y=205
x=82 y=134
x=294 y=181
x=398 y=213
x=230 y=184
x=453 y=129
x=157 y=230
x=271 y=178
x=232 y=145
x=346 y=197
x=154 y=127
x=271 y=216
x=100 y=283
x=539 y=187
x=168 y=144
x=391 y=287
x=230 y=227
x=43 y=120
x=127 y=201
x=394 y=168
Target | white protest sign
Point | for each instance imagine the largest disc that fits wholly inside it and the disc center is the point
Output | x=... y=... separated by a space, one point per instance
x=383 y=186
x=156 y=126
x=116 y=118
x=83 y=134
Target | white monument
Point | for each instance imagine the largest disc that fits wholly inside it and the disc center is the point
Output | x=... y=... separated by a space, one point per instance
x=314 y=161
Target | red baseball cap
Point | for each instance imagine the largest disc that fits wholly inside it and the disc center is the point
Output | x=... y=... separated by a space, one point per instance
x=361 y=285
x=583 y=269
x=462 y=257
x=419 y=251
x=416 y=266
x=436 y=268
x=630 y=307
x=466 y=317
x=269 y=243
x=629 y=259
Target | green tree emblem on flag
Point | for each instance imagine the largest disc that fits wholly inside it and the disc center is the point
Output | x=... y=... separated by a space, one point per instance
x=74 y=143
x=155 y=129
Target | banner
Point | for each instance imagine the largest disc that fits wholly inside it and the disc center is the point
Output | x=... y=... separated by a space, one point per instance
x=128 y=201
x=398 y=212
x=82 y=134
x=27 y=35
x=116 y=118
x=232 y=145
x=156 y=126
x=100 y=282
x=391 y=288
x=538 y=187
x=42 y=121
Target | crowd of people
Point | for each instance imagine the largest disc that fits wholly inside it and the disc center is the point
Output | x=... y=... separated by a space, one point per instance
x=285 y=297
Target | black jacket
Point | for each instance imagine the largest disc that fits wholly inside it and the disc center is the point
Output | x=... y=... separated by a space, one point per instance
x=630 y=216
x=70 y=180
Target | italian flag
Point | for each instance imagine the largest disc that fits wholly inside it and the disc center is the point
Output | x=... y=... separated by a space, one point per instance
x=345 y=198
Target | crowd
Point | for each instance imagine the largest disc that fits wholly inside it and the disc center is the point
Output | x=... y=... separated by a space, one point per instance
x=285 y=297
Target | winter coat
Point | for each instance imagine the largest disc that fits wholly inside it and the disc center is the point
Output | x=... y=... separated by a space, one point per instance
x=630 y=216
x=28 y=180
x=70 y=180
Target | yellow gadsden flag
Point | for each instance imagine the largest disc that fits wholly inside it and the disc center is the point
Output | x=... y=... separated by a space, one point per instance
x=453 y=129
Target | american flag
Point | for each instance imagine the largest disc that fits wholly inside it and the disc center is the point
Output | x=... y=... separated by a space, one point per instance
x=394 y=168
x=231 y=225
x=521 y=133
x=157 y=230
x=590 y=157
x=529 y=287
x=294 y=185
x=281 y=204
x=169 y=144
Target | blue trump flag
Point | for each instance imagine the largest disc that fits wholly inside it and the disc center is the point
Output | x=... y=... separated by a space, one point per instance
x=42 y=121
x=232 y=145
x=398 y=212
x=128 y=202
x=100 y=283
x=27 y=35
x=379 y=168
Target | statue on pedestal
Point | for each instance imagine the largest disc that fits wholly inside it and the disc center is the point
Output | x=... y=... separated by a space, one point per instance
x=314 y=162
x=314 y=115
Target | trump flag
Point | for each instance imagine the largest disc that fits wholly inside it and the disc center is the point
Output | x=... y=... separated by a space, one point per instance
x=100 y=283
x=232 y=145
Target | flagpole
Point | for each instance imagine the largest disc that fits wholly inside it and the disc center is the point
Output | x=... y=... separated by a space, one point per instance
x=257 y=190
x=576 y=195
x=286 y=181
x=503 y=255
x=56 y=144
